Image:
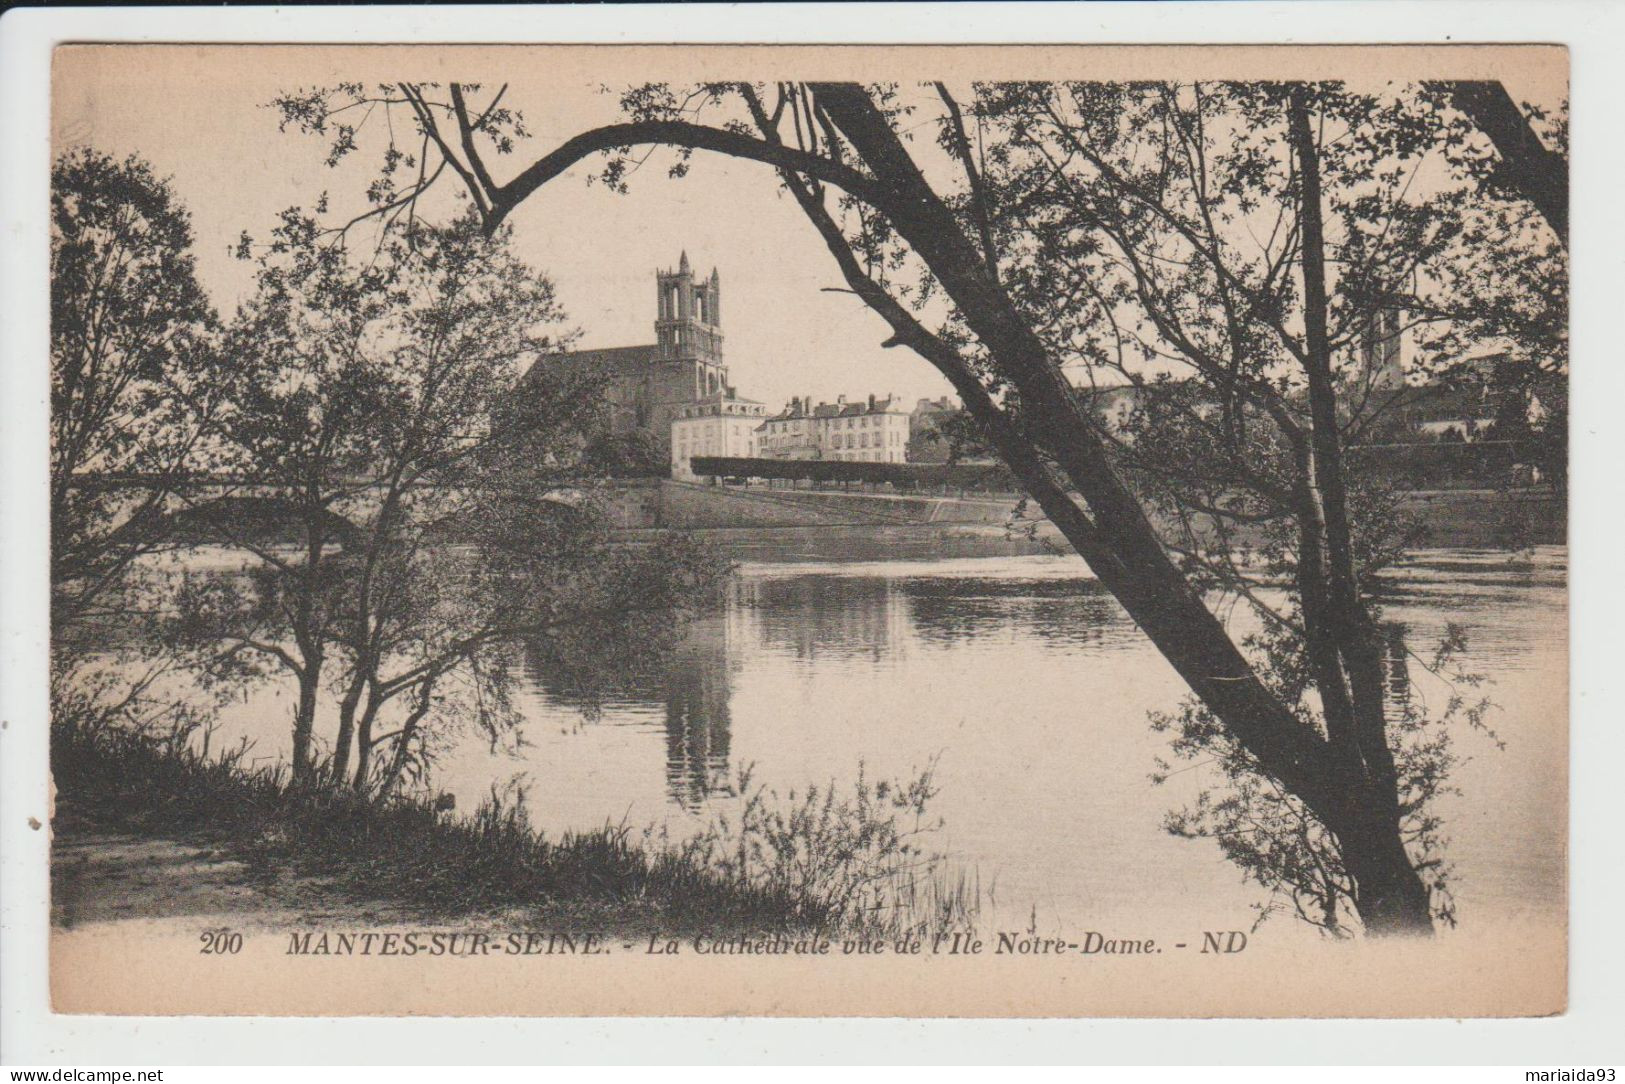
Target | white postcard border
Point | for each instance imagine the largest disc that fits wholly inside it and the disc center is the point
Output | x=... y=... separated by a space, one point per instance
x=1595 y=33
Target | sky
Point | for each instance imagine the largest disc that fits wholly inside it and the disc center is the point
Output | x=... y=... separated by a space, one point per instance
x=206 y=127
x=200 y=115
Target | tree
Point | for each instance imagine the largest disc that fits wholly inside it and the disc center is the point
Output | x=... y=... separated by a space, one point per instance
x=951 y=438
x=130 y=372
x=437 y=522
x=1263 y=339
x=131 y=400
x=1523 y=164
x=626 y=455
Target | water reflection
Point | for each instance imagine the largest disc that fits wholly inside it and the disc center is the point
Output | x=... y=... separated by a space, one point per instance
x=1478 y=593
x=698 y=724
x=1058 y=613
x=824 y=623
x=604 y=675
x=1028 y=688
x=817 y=616
x=842 y=626
x=1396 y=660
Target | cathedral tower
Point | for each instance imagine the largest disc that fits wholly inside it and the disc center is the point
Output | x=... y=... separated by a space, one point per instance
x=687 y=319
x=1382 y=348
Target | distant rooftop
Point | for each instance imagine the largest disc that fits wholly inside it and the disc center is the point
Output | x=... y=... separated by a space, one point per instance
x=799 y=408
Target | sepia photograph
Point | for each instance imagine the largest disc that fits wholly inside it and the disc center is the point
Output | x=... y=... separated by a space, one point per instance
x=809 y=531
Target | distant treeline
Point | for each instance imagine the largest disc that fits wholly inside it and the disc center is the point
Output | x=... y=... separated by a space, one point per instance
x=990 y=478
x=1488 y=464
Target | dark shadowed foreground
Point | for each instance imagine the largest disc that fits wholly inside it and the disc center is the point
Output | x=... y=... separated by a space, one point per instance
x=152 y=827
x=221 y=836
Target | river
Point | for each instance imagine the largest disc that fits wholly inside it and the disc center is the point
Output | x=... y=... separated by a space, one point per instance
x=1028 y=689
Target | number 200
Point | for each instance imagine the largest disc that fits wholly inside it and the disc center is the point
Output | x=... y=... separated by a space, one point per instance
x=220 y=943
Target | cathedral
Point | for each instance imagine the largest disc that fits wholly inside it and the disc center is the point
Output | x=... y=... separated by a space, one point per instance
x=648 y=386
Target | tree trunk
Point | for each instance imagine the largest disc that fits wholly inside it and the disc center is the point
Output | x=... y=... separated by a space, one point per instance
x=363 y=745
x=304 y=719
x=347 y=727
x=307 y=635
x=1389 y=896
x=1527 y=166
x=1113 y=536
x=403 y=737
x=1120 y=545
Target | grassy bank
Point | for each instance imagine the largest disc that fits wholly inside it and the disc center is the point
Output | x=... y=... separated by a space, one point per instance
x=747 y=876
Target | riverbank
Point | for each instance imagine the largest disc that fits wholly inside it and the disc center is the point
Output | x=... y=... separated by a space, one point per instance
x=1450 y=518
x=149 y=829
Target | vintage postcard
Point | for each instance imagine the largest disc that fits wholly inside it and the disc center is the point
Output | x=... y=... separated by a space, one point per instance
x=785 y=530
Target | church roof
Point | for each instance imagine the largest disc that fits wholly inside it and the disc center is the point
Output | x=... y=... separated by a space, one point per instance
x=612 y=360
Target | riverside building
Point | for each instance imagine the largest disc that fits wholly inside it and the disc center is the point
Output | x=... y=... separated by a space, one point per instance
x=872 y=431
x=720 y=424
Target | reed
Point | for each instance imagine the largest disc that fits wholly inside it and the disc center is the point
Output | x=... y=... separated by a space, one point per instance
x=816 y=861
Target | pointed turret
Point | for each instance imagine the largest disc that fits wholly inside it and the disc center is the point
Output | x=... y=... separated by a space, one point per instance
x=688 y=315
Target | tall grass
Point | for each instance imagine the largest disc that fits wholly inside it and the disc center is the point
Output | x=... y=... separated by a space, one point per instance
x=817 y=862
x=856 y=859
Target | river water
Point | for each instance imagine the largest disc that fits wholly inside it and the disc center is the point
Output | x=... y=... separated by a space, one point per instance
x=1028 y=689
